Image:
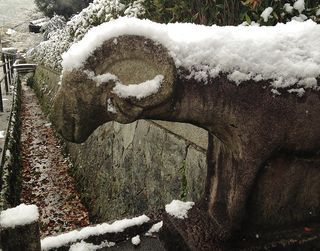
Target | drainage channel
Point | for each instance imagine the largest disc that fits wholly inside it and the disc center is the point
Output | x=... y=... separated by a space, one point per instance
x=45 y=179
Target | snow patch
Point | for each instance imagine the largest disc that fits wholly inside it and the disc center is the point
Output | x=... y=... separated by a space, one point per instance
x=299 y=5
x=139 y=91
x=76 y=235
x=2 y=134
x=288 y=8
x=300 y=18
x=275 y=92
x=238 y=77
x=19 y=216
x=155 y=228
x=266 y=14
x=299 y=91
x=84 y=246
x=285 y=53
x=136 y=240
x=10 y=32
x=110 y=106
x=99 y=79
x=179 y=209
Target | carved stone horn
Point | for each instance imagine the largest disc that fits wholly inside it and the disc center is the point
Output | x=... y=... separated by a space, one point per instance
x=133 y=60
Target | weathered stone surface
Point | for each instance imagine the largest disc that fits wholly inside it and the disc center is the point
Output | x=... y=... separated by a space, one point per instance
x=192 y=133
x=46 y=86
x=196 y=167
x=248 y=126
x=125 y=169
x=21 y=238
x=287 y=191
x=130 y=169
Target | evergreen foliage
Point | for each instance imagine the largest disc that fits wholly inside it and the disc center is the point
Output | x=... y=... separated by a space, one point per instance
x=207 y=12
x=225 y=12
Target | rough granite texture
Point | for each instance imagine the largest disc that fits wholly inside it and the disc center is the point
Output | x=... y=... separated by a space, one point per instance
x=138 y=167
x=128 y=169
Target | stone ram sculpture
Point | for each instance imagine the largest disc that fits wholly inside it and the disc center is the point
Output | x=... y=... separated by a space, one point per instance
x=249 y=128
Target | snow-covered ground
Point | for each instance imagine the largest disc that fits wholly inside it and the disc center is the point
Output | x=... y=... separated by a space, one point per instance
x=14 y=19
x=13 y=12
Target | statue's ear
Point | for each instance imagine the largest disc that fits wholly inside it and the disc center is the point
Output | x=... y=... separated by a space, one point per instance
x=142 y=71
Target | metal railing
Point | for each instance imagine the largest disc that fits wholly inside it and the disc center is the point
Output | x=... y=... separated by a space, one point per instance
x=7 y=63
x=10 y=65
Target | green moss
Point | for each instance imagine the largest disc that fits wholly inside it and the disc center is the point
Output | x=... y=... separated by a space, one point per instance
x=184 y=182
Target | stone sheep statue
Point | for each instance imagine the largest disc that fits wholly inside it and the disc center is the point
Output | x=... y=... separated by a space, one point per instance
x=249 y=127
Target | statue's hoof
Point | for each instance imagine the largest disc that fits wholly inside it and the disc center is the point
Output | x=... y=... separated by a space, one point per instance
x=198 y=232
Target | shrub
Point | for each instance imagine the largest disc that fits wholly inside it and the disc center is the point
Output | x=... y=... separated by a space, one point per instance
x=64 y=8
x=49 y=52
x=226 y=12
x=208 y=12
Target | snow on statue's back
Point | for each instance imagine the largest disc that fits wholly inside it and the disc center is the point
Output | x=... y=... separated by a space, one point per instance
x=287 y=54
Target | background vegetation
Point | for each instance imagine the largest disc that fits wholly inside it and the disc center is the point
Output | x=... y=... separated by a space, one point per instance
x=224 y=12
x=60 y=34
x=64 y=8
x=207 y=12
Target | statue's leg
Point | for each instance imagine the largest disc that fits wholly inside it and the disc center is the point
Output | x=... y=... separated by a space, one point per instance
x=231 y=175
x=210 y=224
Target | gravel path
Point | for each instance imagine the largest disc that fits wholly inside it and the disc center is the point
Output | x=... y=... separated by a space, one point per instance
x=45 y=178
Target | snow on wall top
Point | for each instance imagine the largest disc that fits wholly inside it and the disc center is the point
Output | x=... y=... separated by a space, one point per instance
x=19 y=216
x=288 y=54
x=77 y=235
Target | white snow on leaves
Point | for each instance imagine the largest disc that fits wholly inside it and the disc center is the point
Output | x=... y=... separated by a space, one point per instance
x=266 y=14
x=299 y=5
x=288 y=8
x=286 y=53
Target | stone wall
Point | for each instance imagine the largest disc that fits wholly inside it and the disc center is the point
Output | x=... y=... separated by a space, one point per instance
x=129 y=169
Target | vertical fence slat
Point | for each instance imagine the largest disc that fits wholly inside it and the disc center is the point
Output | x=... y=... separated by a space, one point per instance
x=1 y=100
x=4 y=72
x=8 y=61
x=8 y=73
x=5 y=76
